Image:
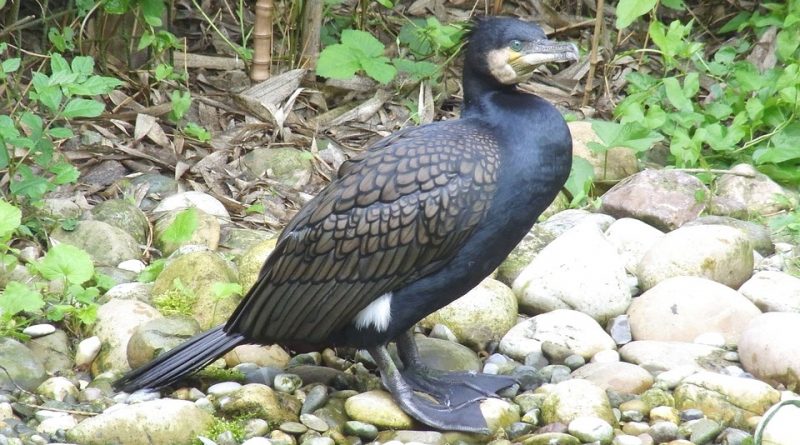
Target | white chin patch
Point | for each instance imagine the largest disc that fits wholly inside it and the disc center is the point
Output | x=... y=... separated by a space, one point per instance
x=499 y=67
x=378 y=314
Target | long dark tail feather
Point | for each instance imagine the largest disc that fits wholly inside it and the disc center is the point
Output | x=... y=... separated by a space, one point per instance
x=193 y=355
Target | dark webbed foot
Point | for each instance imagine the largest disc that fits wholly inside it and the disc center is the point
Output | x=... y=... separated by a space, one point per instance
x=446 y=415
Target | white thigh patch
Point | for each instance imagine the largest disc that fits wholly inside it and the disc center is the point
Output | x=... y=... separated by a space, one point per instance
x=378 y=314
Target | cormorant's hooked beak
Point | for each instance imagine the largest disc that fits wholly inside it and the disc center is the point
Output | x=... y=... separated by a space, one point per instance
x=538 y=52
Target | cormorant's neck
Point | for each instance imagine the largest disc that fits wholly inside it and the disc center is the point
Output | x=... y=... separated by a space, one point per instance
x=478 y=92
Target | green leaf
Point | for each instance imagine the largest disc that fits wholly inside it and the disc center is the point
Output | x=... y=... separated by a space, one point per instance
x=784 y=147
x=65 y=173
x=337 y=62
x=67 y=262
x=94 y=85
x=58 y=64
x=674 y=4
x=787 y=42
x=182 y=228
x=31 y=185
x=737 y=23
x=181 y=101
x=363 y=41
x=630 y=10
x=11 y=65
x=79 y=107
x=417 y=70
x=580 y=179
x=10 y=219
x=83 y=65
x=632 y=135
x=222 y=290
x=379 y=69
x=17 y=297
x=152 y=271
x=193 y=130
x=152 y=10
x=676 y=95
x=117 y=6
x=147 y=40
x=60 y=133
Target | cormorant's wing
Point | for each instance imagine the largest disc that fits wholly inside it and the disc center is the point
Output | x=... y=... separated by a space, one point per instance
x=399 y=213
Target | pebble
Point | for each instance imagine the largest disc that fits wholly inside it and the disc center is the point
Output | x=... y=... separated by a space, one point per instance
x=255 y=427
x=626 y=439
x=318 y=441
x=574 y=361
x=691 y=414
x=536 y=359
x=293 y=428
x=635 y=428
x=591 y=429
x=223 y=389
x=316 y=398
x=87 y=351
x=608 y=356
x=703 y=431
x=363 y=430
x=733 y=436
x=287 y=383
x=257 y=441
x=710 y=339
x=226 y=438
x=666 y=413
x=143 y=395
x=663 y=431
x=39 y=330
x=442 y=332
x=314 y=422
x=619 y=328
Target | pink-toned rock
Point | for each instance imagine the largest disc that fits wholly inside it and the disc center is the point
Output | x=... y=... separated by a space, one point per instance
x=622 y=377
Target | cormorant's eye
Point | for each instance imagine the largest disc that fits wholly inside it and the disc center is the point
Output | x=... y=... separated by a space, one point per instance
x=515 y=45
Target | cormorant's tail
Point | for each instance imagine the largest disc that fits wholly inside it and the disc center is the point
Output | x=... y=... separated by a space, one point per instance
x=191 y=356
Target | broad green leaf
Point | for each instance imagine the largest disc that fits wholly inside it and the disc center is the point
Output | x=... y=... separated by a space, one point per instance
x=632 y=135
x=152 y=271
x=31 y=185
x=676 y=95
x=674 y=4
x=784 y=147
x=64 y=173
x=59 y=64
x=94 y=85
x=79 y=107
x=117 y=6
x=222 y=290
x=580 y=179
x=67 y=262
x=737 y=23
x=337 y=62
x=61 y=78
x=691 y=84
x=417 y=70
x=363 y=41
x=4 y=156
x=83 y=65
x=630 y=10
x=10 y=219
x=11 y=65
x=60 y=133
x=379 y=69
x=182 y=228
x=17 y=297
x=755 y=108
x=180 y=101
x=49 y=96
x=147 y=40
x=152 y=10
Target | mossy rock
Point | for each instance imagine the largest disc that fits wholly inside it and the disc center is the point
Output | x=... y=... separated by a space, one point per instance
x=124 y=215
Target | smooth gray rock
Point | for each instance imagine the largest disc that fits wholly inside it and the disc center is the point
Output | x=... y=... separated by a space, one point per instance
x=289 y=166
x=155 y=337
x=117 y=320
x=52 y=351
x=574 y=330
x=666 y=355
x=768 y=348
x=199 y=200
x=106 y=244
x=758 y=234
x=124 y=215
x=773 y=291
x=632 y=238
x=21 y=367
x=749 y=192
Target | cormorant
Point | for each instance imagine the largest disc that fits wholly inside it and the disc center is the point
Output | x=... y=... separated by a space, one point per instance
x=412 y=223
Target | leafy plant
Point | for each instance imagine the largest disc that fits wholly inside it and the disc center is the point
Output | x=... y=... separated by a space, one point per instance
x=358 y=51
x=182 y=227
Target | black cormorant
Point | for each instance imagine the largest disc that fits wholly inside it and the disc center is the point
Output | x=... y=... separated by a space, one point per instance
x=412 y=223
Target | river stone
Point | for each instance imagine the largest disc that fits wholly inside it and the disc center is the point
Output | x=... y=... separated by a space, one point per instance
x=199 y=200
x=53 y=352
x=726 y=399
x=57 y=388
x=666 y=355
x=237 y=240
x=591 y=429
x=198 y=271
x=769 y=348
x=741 y=196
x=289 y=166
x=87 y=351
x=613 y=164
x=758 y=234
x=262 y=355
x=411 y=437
x=377 y=408
x=117 y=320
x=445 y=355
x=633 y=239
x=624 y=378
x=579 y=270
x=682 y=308
x=551 y=439
x=157 y=422
x=782 y=427
x=665 y=199
x=574 y=330
x=155 y=337
x=481 y=316
x=155 y=185
x=576 y=398
x=21 y=368
x=252 y=260
x=206 y=233
x=123 y=214
x=260 y=401
x=60 y=208
x=130 y=291
x=106 y=244
x=773 y=291
x=719 y=253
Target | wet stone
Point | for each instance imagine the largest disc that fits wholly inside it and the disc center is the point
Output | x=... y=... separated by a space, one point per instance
x=314 y=422
x=363 y=430
x=663 y=431
x=703 y=431
x=287 y=383
x=519 y=429
x=255 y=428
x=691 y=414
x=293 y=428
x=316 y=398
x=574 y=361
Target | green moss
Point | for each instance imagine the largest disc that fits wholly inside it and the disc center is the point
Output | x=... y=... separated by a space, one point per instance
x=176 y=301
x=234 y=425
x=220 y=374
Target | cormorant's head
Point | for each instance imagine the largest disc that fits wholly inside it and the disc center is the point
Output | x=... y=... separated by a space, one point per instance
x=508 y=50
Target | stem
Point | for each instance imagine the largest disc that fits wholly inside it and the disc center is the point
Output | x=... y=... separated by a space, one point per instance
x=598 y=27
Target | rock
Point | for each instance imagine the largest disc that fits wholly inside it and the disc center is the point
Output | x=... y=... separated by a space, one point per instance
x=498 y=413
x=130 y=291
x=672 y=378
x=773 y=291
x=87 y=351
x=377 y=408
x=703 y=431
x=57 y=388
x=60 y=208
x=206 y=233
x=666 y=355
x=252 y=259
x=769 y=349
x=576 y=398
x=719 y=253
x=757 y=234
x=726 y=399
x=53 y=352
x=782 y=427
x=445 y=355
x=198 y=272
x=260 y=401
x=236 y=240
x=591 y=429
x=481 y=316
x=287 y=383
x=116 y=322
x=155 y=186
x=223 y=388
x=124 y=215
x=625 y=439
x=741 y=196
x=665 y=199
x=289 y=166
x=576 y=331
x=106 y=244
x=21 y=368
x=551 y=439
x=412 y=437
x=52 y=425
x=157 y=422
x=663 y=432
x=39 y=330
x=105 y=173
x=613 y=164
x=561 y=274
x=363 y=430
x=621 y=377
x=315 y=423
x=619 y=328
x=199 y=200
x=633 y=239
x=682 y=308
x=155 y=337
x=262 y=355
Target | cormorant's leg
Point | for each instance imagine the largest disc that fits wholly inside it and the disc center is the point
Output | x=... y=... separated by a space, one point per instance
x=465 y=417
x=453 y=387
